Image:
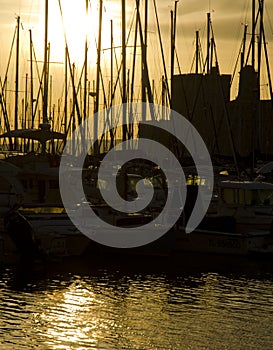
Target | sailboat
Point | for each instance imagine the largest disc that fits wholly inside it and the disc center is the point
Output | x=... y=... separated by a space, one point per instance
x=37 y=154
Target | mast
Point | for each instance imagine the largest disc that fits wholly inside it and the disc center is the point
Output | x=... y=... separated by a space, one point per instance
x=17 y=76
x=112 y=63
x=253 y=34
x=208 y=43
x=162 y=53
x=131 y=94
x=98 y=79
x=174 y=23
x=243 y=48
x=124 y=79
x=45 y=119
x=26 y=102
x=50 y=97
x=196 y=51
x=173 y=37
x=85 y=69
x=111 y=81
x=261 y=8
x=148 y=86
x=268 y=68
x=66 y=91
x=211 y=53
x=144 y=58
x=74 y=97
x=31 y=79
x=172 y=59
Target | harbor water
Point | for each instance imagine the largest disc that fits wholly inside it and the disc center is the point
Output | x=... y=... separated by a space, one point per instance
x=151 y=303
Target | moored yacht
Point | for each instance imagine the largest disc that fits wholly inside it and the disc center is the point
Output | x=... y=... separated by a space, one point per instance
x=249 y=203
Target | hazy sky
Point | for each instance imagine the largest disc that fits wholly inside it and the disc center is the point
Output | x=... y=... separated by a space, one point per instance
x=228 y=17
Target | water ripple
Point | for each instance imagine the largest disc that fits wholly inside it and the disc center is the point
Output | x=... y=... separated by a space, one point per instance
x=111 y=310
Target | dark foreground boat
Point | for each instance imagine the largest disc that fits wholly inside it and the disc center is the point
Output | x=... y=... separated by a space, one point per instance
x=45 y=235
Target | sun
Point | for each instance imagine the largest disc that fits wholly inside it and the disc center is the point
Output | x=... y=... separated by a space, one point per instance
x=73 y=23
x=66 y=24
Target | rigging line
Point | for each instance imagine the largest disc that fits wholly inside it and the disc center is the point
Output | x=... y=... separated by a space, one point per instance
x=146 y=71
x=201 y=53
x=177 y=60
x=250 y=45
x=70 y=68
x=4 y=108
x=131 y=93
x=191 y=114
x=107 y=111
x=183 y=86
x=162 y=51
x=192 y=62
x=202 y=33
x=269 y=20
x=105 y=102
x=118 y=82
x=235 y=50
x=214 y=46
x=119 y=67
x=74 y=105
x=236 y=65
x=237 y=31
x=9 y=59
x=267 y=64
x=134 y=62
x=40 y=78
x=226 y=112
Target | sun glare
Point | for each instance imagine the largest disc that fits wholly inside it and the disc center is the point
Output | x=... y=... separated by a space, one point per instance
x=70 y=25
x=74 y=24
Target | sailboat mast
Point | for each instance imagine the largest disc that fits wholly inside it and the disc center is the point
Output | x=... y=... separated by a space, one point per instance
x=17 y=76
x=196 y=51
x=111 y=80
x=268 y=68
x=98 y=78
x=45 y=120
x=243 y=48
x=85 y=68
x=112 y=64
x=172 y=59
x=162 y=53
x=208 y=43
x=124 y=78
x=253 y=34
x=26 y=102
x=144 y=58
x=173 y=37
x=66 y=91
x=31 y=78
x=261 y=11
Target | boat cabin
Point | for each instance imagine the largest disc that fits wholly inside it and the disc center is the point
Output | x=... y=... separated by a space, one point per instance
x=246 y=193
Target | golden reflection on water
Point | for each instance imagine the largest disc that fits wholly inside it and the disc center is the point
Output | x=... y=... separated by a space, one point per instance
x=69 y=318
x=112 y=310
x=84 y=314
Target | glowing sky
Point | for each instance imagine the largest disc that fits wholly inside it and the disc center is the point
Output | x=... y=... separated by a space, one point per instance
x=228 y=18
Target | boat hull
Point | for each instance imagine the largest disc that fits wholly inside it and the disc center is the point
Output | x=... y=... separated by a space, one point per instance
x=214 y=242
